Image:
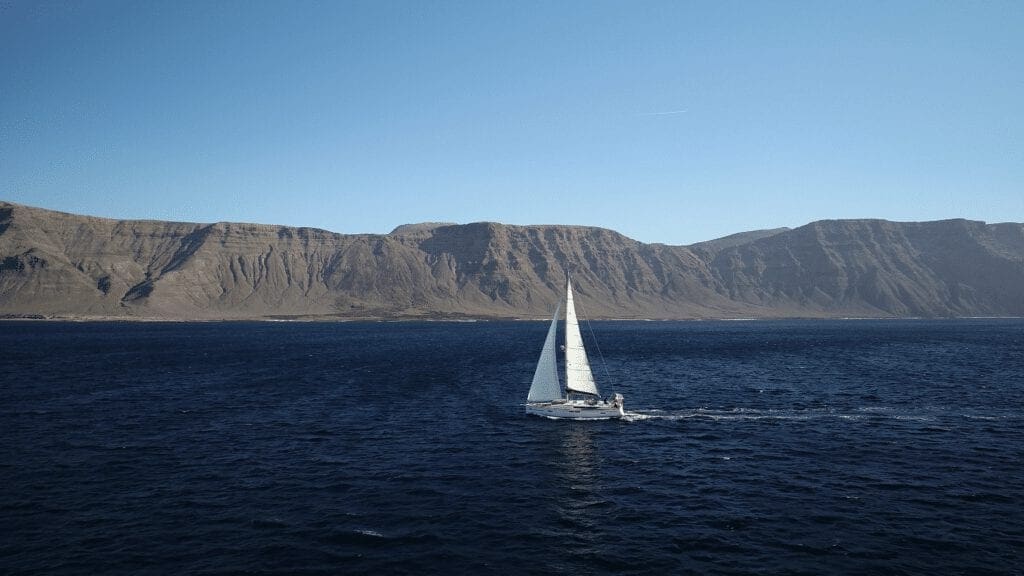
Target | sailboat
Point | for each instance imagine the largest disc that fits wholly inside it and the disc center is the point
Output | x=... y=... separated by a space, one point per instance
x=581 y=400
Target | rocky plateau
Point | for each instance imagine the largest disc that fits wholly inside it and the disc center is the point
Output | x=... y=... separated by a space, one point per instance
x=58 y=265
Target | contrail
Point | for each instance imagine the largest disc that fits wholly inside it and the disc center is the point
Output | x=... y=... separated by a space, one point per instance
x=666 y=113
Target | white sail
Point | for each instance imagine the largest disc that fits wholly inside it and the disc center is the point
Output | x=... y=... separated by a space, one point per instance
x=545 y=386
x=578 y=377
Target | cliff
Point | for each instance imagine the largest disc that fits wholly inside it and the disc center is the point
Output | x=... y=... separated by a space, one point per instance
x=54 y=264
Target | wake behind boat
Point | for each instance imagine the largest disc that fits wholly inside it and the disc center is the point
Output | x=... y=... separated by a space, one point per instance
x=581 y=400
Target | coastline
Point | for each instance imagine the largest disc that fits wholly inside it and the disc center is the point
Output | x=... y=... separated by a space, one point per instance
x=457 y=319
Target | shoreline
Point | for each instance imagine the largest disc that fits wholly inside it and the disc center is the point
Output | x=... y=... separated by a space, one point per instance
x=461 y=319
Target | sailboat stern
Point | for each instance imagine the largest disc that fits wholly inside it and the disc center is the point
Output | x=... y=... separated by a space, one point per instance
x=619 y=402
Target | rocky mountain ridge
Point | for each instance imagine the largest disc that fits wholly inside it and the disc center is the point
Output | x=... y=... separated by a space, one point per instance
x=54 y=264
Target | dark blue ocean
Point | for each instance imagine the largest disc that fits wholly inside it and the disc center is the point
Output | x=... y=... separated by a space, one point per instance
x=776 y=447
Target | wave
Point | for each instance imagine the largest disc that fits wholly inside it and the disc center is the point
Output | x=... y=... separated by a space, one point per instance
x=865 y=413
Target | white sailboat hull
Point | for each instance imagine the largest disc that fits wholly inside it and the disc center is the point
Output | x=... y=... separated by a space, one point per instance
x=576 y=410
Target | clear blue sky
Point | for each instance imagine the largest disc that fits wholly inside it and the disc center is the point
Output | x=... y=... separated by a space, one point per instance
x=670 y=122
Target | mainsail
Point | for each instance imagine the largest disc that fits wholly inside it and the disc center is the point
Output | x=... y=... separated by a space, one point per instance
x=545 y=386
x=578 y=377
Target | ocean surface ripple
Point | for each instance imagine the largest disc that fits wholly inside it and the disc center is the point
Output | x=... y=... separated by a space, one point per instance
x=780 y=447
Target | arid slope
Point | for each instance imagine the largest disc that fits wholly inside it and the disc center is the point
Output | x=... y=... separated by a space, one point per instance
x=54 y=264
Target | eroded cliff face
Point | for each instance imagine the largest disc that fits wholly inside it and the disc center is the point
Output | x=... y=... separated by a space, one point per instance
x=881 y=268
x=56 y=264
